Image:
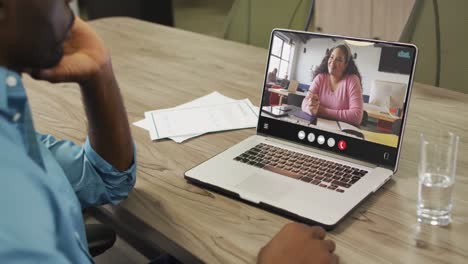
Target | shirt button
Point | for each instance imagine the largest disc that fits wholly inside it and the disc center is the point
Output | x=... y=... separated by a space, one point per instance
x=11 y=81
x=16 y=117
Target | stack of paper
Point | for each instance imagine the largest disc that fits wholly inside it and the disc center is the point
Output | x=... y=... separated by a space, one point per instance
x=210 y=113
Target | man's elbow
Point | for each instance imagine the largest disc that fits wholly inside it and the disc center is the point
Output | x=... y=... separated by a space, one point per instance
x=119 y=190
x=117 y=195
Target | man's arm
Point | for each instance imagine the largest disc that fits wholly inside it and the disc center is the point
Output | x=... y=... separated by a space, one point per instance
x=103 y=169
x=87 y=62
x=93 y=179
x=108 y=130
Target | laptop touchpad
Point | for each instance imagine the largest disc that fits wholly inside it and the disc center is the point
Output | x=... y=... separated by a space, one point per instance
x=263 y=187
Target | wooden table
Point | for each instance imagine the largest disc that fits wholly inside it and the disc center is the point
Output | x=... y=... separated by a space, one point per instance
x=385 y=121
x=284 y=92
x=380 y=115
x=160 y=67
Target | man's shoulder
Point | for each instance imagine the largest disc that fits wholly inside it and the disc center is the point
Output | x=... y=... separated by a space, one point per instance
x=21 y=178
x=27 y=202
x=14 y=160
x=8 y=133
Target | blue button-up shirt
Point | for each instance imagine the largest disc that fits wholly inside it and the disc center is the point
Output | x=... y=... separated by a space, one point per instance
x=44 y=185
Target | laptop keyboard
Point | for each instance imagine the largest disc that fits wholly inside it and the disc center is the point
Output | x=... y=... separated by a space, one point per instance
x=326 y=174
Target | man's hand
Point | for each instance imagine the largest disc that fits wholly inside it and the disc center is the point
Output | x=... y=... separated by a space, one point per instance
x=314 y=104
x=87 y=62
x=298 y=243
x=85 y=57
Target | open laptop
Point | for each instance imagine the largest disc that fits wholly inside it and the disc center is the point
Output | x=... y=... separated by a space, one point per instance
x=318 y=172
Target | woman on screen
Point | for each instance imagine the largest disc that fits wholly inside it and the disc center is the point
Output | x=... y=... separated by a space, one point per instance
x=336 y=91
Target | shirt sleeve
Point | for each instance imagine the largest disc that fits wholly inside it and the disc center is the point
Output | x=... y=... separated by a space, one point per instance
x=352 y=115
x=93 y=179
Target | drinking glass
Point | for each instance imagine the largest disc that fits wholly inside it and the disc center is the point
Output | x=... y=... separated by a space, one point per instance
x=436 y=172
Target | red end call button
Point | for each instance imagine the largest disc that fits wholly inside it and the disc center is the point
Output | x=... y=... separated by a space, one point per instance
x=342 y=145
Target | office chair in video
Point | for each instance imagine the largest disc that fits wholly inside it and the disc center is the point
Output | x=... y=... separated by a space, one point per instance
x=295 y=99
x=275 y=99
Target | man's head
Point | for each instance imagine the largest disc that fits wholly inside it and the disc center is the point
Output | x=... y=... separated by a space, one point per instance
x=32 y=32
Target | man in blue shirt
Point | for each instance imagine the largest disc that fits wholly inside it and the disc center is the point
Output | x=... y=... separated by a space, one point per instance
x=45 y=182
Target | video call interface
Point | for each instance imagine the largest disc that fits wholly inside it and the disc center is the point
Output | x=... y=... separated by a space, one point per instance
x=352 y=88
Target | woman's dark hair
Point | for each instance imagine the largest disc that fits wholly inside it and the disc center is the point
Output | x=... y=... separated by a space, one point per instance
x=351 y=67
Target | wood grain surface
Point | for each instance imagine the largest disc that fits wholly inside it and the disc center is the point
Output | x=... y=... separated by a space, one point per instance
x=160 y=67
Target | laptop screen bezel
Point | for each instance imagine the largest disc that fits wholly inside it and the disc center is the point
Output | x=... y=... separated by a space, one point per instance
x=374 y=152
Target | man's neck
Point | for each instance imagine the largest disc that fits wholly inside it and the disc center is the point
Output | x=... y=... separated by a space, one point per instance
x=5 y=65
x=3 y=61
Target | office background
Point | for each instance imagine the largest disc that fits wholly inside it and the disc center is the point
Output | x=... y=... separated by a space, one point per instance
x=249 y=22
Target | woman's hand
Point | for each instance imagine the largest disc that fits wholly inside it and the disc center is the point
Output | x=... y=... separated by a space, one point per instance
x=314 y=104
x=85 y=57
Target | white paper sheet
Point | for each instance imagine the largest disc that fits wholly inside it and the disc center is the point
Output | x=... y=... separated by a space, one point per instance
x=344 y=126
x=210 y=99
x=327 y=125
x=202 y=119
x=144 y=123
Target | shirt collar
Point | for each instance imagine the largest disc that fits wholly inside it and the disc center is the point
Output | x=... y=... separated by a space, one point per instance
x=10 y=86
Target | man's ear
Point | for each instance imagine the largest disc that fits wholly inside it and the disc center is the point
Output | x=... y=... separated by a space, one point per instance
x=5 y=6
x=2 y=10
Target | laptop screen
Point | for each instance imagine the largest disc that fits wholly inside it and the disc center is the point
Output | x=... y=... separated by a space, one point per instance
x=345 y=95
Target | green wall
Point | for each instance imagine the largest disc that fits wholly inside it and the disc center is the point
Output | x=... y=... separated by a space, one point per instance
x=454 y=44
x=251 y=21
